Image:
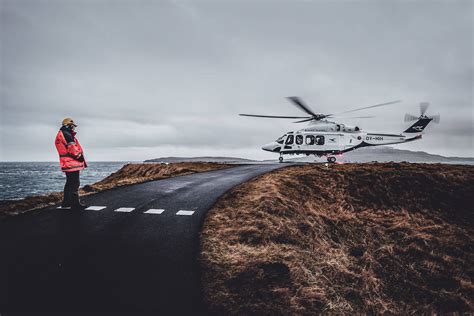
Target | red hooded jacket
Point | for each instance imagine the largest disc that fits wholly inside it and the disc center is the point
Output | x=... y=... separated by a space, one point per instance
x=71 y=155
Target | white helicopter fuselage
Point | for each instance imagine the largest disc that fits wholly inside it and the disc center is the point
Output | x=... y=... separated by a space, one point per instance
x=325 y=138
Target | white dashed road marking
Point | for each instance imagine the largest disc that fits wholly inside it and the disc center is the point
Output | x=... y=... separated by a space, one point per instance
x=125 y=209
x=183 y=212
x=154 y=211
x=95 y=208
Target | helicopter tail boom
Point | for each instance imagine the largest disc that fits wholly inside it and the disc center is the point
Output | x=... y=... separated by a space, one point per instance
x=414 y=132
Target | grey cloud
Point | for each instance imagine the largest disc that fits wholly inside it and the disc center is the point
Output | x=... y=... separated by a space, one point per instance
x=133 y=69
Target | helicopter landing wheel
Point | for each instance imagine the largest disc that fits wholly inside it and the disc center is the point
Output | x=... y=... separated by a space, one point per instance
x=332 y=159
x=280 y=159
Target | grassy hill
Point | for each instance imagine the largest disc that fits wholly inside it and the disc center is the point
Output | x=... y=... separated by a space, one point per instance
x=371 y=238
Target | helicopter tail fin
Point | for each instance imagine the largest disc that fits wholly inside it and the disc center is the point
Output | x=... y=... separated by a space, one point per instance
x=418 y=126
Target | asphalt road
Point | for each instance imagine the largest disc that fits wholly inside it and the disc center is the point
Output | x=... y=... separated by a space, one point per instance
x=118 y=259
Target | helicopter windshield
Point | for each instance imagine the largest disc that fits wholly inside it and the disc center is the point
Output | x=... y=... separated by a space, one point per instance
x=281 y=139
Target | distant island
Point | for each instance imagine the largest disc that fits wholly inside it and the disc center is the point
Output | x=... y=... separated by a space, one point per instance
x=368 y=154
x=386 y=154
x=200 y=159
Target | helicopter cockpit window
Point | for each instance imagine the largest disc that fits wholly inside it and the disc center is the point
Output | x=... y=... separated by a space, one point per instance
x=338 y=127
x=319 y=140
x=357 y=128
x=290 y=139
x=281 y=139
x=310 y=140
x=299 y=139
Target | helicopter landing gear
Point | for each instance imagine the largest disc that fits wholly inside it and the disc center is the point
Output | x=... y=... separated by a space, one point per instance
x=280 y=159
x=331 y=159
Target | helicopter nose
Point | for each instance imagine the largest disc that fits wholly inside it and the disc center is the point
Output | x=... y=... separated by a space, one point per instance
x=270 y=146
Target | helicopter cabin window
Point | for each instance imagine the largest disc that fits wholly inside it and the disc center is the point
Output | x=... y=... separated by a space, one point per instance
x=338 y=127
x=319 y=140
x=299 y=139
x=310 y=140
x=289 y=140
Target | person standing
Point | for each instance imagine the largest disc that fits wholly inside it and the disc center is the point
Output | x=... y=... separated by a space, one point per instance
x=71 y=160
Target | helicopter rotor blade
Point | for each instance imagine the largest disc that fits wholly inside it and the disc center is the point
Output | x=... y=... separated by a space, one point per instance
x=305 y=120
x=423 y=107
x=299 y=103
x=352 y=117
x=275 y=116
x=410 y=118
x=367 y=107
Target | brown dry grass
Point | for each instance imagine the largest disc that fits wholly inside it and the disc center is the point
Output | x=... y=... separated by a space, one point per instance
x=127 y=175
x=372 y=238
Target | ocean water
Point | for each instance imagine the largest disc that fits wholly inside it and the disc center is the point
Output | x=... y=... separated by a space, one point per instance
x=21 y=179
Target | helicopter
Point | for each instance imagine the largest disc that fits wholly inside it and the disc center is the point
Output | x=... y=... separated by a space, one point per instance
x=322 y=137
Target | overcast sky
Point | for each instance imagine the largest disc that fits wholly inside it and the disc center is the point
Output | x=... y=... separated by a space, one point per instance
x=145 y=79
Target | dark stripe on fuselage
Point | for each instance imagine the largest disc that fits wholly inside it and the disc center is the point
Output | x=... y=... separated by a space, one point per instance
x=413 y=138
x=326 y=152
x=392 y=135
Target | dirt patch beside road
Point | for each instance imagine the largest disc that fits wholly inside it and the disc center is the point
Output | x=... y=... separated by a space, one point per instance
x=127 y=175
x=367 y=238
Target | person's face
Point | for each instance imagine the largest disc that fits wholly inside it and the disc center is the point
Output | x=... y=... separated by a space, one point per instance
x=72 y=127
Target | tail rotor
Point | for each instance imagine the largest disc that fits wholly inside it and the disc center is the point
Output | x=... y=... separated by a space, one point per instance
x=410 y=118
x=423 y=108
x=436 y=118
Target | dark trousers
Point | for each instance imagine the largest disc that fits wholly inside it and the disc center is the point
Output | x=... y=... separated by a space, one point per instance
x=71 y=189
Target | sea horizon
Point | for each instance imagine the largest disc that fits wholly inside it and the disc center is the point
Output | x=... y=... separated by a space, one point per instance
x=20 y=179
